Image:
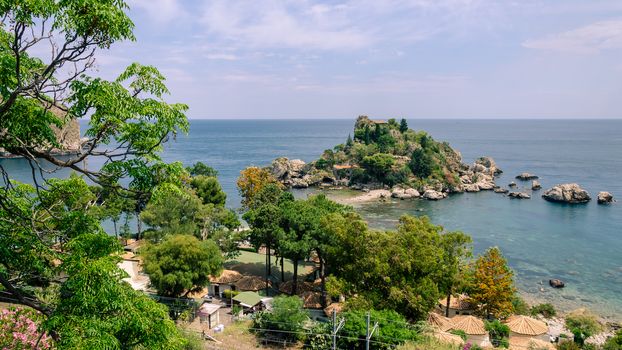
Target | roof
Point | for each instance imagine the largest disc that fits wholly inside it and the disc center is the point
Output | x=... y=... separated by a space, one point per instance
x=439 y=322
x=523 y=343
x=459 y=302
x=252 y=283
x=312 y=300
x=248 y=299
x=198 y=294
x=468 y=324
x=208 y=309
x=334 y=306
x=226 y=277
x=288 y=286
x=448 y=338
x=526 y=325
x=378 y=121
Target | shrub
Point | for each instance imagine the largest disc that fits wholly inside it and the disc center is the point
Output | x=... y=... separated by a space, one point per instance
x=547 y=310
x=582 y=324
x=568 y=345
x=393 y=329
x=614 y=343
x=19 y=329
x=285 y=322
x=462 y=334
x=227 y=294
x=520 y=306
x=498 y=333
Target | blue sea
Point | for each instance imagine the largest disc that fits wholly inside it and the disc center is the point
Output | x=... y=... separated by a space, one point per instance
x=579 y=244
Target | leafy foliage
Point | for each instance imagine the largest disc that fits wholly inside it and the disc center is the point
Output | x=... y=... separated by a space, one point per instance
x=181 y=264
x=251 y=181
x=209 y=190
x=393 y=329
x=582 y=324
x=493 y=286
x=201 y=169
x=614 y=343
x=285 y=321
x=498 y=332
x=547 y=310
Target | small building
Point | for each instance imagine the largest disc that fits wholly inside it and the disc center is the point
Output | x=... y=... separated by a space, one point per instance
x=287 y=287
x=210 y=314
x=226 y=281
x=527 y=327
x=458 y=305
x=474 y=329
x=249 y=301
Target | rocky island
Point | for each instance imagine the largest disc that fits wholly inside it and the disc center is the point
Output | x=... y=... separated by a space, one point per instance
x=388 y=155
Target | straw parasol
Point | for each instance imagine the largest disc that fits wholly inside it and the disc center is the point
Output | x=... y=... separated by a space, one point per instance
x=312 y=300
x=439 y=322
x=226 y=277
x=470 y=325
x=522 y=343
x=526 y=325
x=459 y=302
x=448 y=338
x=334 y=306
x=251 y=283
x=288 y=287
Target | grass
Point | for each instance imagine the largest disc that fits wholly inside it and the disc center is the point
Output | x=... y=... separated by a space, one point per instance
x=250 y=263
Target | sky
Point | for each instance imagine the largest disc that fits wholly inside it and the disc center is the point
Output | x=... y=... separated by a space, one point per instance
x=402 y=58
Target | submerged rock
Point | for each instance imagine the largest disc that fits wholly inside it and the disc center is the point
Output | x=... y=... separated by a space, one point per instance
x=567 y=193
x=535 y=185
x=512 y=184
x=519 y=195
x=555 y=283
x=526 y=176
x=605 y=198
x=501 y=190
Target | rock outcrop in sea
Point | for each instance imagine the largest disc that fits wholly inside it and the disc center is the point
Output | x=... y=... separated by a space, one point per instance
x=526 y=177
x=605 y=198
x=519 y=195
x=567 y=193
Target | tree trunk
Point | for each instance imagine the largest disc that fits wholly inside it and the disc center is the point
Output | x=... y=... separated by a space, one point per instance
x=116 y=233
x=282 y=270
x=269 y=260
x=448 y=301
x=323 y=280
x=139 y=226
x=295 y=285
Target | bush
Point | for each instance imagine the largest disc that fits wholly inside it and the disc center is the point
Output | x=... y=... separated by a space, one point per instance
x=227 y=294
x=319 y=337
x=393 y=329
x=519 y=305
x=20 y=329
x=284 y=323
x=614 y=343
x=462 y=334
x=498 y=333
x=547 y=310
x=568 y=345
x=582 y=324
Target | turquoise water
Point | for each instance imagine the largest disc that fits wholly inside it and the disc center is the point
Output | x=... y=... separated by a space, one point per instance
x=581 y=245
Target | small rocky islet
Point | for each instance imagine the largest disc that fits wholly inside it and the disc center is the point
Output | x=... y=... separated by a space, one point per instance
x=398 y=162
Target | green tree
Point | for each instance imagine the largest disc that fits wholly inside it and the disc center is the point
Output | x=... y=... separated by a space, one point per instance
x=250 y=182
x=201 y=169
x=42 y=225
x=403 y=126
x=285 y=321
x=349 y=143
x=209 y=190
x=367 y=137
x=393 y=329
x=181 y=264
x=421 y=163
x=493 y=287
x=456 y=249
x=173 y=211
x=498 y=332
x=378 y=165
x=582 y=324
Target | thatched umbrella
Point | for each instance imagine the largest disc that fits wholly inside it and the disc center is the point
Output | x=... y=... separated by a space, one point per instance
x=470 y=325
x=439 y=322
x=312 y=300
x=251 y=283
x=337 y=307
x=288 y=287
x=523 y=343
x=525 y=325
x=448 y=338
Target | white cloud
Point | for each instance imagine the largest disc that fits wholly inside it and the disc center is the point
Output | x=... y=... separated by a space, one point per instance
x=274 y=24
x=221 y=56
x=589 y=39
x=160 y=11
